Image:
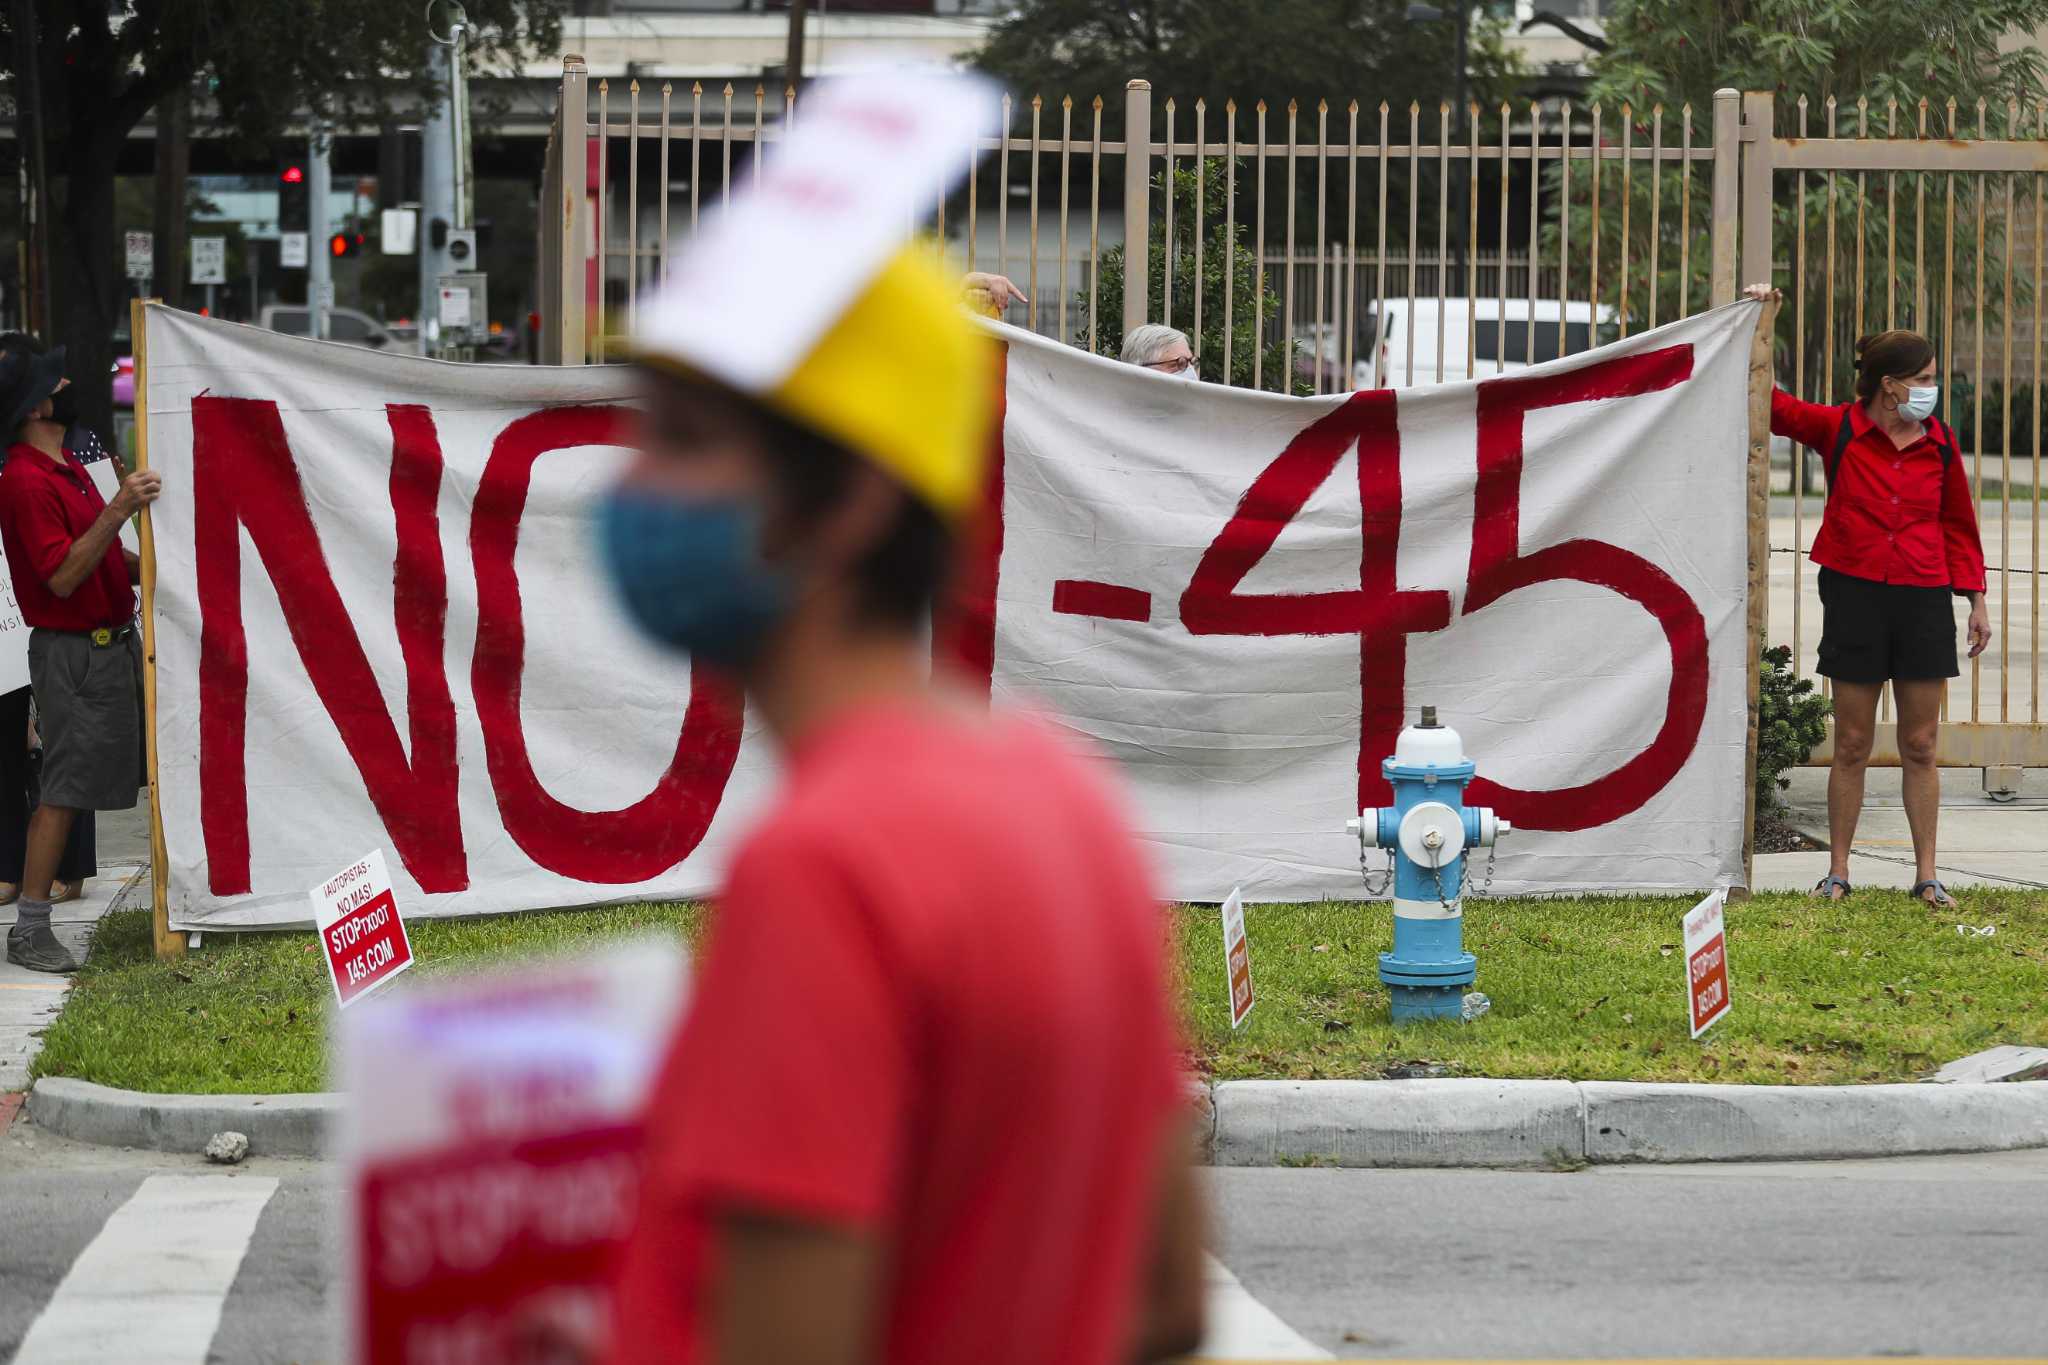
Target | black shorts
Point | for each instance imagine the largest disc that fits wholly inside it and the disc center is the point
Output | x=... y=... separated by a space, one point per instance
x=1875 y=632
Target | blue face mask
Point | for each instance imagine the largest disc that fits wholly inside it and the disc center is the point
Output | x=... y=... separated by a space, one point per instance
x=691 y=574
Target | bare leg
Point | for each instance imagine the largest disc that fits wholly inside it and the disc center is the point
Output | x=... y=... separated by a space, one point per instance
x=1919 y=723
x=1855 y=724
x=48 y=828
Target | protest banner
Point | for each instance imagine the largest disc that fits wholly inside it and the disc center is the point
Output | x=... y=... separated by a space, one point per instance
x=379 y=600
x=491 y=1150
x=362 y=935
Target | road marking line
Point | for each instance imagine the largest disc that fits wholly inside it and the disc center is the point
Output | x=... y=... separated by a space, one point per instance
x=1242 y=1327
x=150 y=1286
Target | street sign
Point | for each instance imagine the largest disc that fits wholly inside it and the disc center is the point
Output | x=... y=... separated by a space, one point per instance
x=462 y=248
x=400 y=231
x=209 y=260
x=477 y=328
x=361 y=933
x=141 y=253
x=491 y=1146
x=1237 y=958
x=292 y=249
x=454 y=313
x=1706 y=962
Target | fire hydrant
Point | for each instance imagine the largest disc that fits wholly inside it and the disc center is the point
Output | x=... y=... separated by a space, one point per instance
x=1426 y=831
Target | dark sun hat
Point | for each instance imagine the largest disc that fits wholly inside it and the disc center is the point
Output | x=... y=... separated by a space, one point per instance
x=26 y=380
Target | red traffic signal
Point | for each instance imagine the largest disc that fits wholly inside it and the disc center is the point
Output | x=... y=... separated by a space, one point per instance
x=292 y=175
x=338 y=244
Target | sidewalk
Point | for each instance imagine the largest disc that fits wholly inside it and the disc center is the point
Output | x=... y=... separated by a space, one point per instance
x=1981 y=842
x=28 y=1000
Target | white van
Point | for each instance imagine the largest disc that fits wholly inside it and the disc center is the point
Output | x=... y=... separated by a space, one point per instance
x=1500 y=340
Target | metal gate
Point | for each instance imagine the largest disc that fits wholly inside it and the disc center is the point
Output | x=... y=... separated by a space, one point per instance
x=1937 y=225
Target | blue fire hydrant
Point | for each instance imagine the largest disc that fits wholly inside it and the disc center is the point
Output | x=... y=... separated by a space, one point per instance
x=1427 y=831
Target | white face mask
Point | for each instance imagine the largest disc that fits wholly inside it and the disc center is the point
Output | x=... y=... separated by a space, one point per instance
x=1193 y=374
x=1919 y=404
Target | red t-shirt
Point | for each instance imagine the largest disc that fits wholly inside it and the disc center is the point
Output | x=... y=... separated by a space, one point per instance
x=1893 y=516
x=933 y=1009
x=44 y=507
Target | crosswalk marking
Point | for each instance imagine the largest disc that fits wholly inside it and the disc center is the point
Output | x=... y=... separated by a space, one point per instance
x=150 y=1286
x=1241 y=1327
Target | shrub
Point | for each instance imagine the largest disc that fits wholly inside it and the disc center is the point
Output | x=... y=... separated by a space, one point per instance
x=1790 y=720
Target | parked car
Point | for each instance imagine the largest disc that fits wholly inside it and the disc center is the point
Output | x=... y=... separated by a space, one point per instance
x=1501 y=341
x=349 y=325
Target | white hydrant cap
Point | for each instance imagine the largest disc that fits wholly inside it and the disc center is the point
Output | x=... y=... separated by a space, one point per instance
x=1429 y=745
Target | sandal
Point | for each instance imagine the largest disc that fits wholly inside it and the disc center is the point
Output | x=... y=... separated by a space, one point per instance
x=10 y=892
x=1825 y=888
x=61 y=892
x=1942 y=899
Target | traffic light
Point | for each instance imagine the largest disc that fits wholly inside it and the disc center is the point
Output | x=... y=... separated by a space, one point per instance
x=294 y=204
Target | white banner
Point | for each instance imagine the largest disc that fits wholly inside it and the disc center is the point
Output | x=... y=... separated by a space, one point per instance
x=381 y=621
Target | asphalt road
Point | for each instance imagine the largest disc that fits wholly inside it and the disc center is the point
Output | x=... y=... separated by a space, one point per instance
x=1935 y=1256
x=1917 y=1256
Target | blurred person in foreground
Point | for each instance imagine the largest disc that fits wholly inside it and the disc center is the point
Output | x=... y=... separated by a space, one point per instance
x=1162 y=350
x=926 y=1105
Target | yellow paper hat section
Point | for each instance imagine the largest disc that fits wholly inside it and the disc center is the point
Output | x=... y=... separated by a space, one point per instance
x=906 y=380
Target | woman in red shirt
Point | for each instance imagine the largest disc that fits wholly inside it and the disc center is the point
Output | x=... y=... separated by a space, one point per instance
x=1897 y=542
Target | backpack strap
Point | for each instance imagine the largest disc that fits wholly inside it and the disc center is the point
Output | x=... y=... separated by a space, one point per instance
x=1843 y=435
x=1945 y=442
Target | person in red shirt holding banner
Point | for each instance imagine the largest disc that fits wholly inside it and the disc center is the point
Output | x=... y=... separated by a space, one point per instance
x=1897 y=541
x=75 y=586
x=927 y=1105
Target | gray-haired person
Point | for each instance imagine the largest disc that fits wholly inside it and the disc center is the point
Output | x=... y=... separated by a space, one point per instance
x=1161 y=349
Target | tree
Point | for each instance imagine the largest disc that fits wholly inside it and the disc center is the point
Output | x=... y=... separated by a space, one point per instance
x=1247 y=51
x=103 y=66
x=1227 y=264
x=1877 y=63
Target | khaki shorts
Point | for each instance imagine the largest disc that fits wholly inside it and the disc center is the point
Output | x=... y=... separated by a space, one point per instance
x=89 y=710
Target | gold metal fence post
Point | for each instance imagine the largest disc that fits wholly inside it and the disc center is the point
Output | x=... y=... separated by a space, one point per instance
x=1759 y=127
x=574 y=209
x=1095 y=226
x=1169 y=256
x=1656 y=202
x=1628 y=138
x=1286 y=376
x=1031 y=267
x=1685 y=218
x=1564 y=219
x=1443 y=229
x=1137 y=202
x=1066 y=162
x=1500 y=324
x=1229 y=231
x=1201 y=224
x=1259 y=254
x=1726 y=195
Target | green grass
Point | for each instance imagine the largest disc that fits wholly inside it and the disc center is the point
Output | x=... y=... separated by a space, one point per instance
x=248 y=1013
x=1876 y=989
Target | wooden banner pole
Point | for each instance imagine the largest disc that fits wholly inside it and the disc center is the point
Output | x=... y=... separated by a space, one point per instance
x=1762 y=349
x=168 y=943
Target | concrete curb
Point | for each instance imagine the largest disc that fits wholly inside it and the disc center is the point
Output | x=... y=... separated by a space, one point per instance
x=1434 y=1123
x=1569 y=1123
x=276 y=1125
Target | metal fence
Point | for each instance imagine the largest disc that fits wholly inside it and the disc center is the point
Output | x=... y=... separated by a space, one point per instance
x=1306 y=248
x=1918 y=217
x=1321 y=248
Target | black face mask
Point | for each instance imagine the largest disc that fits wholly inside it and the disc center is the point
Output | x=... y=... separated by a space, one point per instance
x=64 y=407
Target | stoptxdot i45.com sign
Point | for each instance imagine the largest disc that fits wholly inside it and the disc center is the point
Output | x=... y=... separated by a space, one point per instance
x=361 y=933
x=1706 y=962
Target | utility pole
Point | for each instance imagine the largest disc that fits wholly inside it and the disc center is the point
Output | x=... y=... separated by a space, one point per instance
x=173 y=165
x=29 y=134
x=437 y=200
x=319 y=260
